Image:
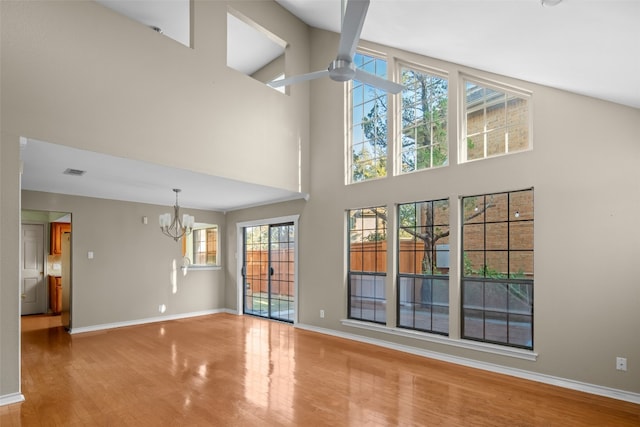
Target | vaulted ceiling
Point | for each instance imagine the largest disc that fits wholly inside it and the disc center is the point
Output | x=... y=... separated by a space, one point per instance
x=590 y=47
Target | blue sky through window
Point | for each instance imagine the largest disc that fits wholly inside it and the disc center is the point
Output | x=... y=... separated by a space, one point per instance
x=369 y=122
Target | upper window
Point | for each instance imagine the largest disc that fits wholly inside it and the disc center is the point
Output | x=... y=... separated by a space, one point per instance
x=368 y=133
x=495 y=121
x=424 y=142
x=202 y=245
x=367 y=243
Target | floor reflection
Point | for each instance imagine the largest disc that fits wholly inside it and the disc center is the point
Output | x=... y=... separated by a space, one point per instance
x=227 y=370
x=269 y=366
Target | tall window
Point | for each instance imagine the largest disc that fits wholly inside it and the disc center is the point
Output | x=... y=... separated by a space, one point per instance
x=495 y=121
x=423 y=266
x=424 y=142
x=497 y=270
x=367 y=264
x=368 y=135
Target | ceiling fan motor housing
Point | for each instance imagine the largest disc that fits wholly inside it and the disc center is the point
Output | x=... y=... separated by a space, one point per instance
x=342 y=70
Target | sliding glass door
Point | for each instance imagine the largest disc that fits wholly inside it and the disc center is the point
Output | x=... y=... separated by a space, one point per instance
x=268 y=271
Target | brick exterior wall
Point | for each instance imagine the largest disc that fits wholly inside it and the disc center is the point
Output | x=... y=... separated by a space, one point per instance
x=504 y=230
x=500 y=119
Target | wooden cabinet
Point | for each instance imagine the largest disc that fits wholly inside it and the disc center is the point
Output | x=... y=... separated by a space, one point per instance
x=55 y=294
x=57 y=228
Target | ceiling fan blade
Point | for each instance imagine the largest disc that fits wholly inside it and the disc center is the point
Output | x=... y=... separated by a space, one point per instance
x=379 y=82
x=297 y=79
x=352 y=23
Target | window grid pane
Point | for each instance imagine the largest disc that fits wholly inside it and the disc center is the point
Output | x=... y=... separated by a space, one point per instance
x=424 y=121
x=496 y=122
x=423 y=266
x=367 y=264
x=497 y=282
x=368 y=129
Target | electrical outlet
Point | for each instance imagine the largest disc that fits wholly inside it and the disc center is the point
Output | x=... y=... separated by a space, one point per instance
x=322 y=314
x=621 y=363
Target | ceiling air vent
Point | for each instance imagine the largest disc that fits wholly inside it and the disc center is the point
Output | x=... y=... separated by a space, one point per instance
x=74 y=172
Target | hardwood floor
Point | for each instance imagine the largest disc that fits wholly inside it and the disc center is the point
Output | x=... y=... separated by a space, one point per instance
x=226 y=370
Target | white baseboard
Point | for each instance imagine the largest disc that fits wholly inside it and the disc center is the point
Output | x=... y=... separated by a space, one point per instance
x=104 y=326
x=10 y=399
x=613 y=393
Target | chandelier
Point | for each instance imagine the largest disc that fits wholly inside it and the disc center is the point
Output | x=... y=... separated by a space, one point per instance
x=176 y=227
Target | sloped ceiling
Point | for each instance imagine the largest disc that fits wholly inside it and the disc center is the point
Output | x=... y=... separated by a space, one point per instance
x=590 y=47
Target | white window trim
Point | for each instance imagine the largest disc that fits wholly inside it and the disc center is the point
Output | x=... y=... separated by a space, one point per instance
x=462 y=116
x=516 y=353
x=397 y=115
x=349 y=120
x=192 y=266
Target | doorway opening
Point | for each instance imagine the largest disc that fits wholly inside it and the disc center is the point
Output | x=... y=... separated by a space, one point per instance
x=268 y=273
x=45 y=259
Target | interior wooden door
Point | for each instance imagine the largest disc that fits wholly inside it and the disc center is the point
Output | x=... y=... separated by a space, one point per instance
x=33 y=287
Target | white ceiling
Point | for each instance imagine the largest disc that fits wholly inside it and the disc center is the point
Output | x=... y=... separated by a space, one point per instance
x=172 y=17
x=248 y=47
x=590 y=47
x=110 y=177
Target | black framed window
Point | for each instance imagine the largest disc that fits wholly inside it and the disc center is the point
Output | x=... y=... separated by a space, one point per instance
x=423 y=266
x=367 y=246
x=497 y=268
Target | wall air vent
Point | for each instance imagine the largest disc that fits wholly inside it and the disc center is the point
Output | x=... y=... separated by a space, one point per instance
x=74 y=172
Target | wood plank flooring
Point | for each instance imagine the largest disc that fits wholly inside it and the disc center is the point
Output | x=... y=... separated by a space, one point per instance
x=226 y=370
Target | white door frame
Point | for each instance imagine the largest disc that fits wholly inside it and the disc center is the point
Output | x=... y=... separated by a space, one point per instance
x=240 y=260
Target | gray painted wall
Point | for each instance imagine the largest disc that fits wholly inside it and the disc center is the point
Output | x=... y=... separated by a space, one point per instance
x=9 y=265
x=78 y=74
x=583 y=168
x=130 y=275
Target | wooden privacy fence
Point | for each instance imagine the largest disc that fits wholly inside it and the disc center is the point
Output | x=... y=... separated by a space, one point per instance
x=365 y=256
x=372 y=257
x=257 y=271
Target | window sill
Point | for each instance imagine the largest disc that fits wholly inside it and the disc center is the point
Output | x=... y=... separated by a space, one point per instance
x=203 y=267
x=423 y=336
